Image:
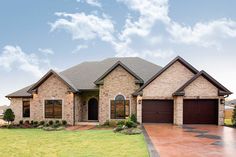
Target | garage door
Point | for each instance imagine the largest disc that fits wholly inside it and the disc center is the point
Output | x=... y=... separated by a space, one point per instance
x=157 y=111
x=203 y=111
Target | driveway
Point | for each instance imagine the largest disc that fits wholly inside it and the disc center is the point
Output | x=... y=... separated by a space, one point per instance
x=192 y=140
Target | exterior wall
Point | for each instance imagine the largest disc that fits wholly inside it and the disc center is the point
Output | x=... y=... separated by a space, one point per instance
x=139 y=109
x=201 y=88
x=17 y=107
x=178 y=110
x=168 y=82
x=221 y=114
x=78 y=108
x=52 y=88
x=119 y=81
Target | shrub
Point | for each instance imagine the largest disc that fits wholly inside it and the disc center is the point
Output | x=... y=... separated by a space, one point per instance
x=112 y=123
x=21 y=122
x=57 y=122
x=133 y=118
x=50 y=122
x=234 y=116
x=64 y=122
x=26 y=122
x=129 y=123
x=106 y=123
x=9 y=115
x=41 y=122
x=121 y=122
x=56 y=125
x=35 y=123
x=31 y=122
x=46 y=124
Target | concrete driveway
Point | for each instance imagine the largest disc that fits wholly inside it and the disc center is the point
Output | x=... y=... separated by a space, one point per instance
x=192 y=140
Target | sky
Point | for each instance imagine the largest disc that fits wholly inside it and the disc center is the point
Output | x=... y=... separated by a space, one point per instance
x=36 y=36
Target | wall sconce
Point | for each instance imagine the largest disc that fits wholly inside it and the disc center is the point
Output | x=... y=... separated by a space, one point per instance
x=84 y=103
x=139 y=101
x=222 y=101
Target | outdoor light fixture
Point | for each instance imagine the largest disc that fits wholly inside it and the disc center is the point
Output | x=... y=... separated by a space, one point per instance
x=222 y=101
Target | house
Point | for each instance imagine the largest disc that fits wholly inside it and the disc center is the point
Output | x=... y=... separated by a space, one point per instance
x=115 y=88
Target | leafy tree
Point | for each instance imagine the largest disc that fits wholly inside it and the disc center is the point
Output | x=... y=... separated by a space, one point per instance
x=234 y=116
x=9 y=115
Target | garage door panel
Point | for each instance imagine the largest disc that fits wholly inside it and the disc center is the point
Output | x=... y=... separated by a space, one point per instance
x=200 y=111
x=157 y=111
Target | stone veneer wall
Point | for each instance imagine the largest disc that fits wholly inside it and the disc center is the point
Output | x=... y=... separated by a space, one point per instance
x=119 y=81
x=178 y=110
x=52 y=88
x=168 y=82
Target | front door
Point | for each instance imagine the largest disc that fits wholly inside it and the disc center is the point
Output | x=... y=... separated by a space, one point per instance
x=93 y=109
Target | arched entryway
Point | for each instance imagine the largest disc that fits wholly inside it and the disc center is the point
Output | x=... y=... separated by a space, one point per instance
x=92 y=109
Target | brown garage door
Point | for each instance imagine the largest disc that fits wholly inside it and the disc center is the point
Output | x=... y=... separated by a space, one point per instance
x=157 y=111
x=201 y=111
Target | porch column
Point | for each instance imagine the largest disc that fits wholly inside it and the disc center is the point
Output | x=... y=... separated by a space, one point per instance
x=139 y=109
x=178 y=110
x=221 y=108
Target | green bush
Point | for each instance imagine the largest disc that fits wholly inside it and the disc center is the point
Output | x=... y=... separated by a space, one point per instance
x=9 y=115
x=56 y=125
x=57 y=122
x=26 y=122
x=50 y=122
x=31 y=122
x=130 y=124
x=234 y=116
x=133 y=118
x=42 y=122
x=64 y=122
x=112 y=123
x=21 y=122
x=121 y=122
x=35 y=123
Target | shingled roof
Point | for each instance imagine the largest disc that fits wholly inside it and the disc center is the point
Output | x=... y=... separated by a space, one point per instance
x=83 y=76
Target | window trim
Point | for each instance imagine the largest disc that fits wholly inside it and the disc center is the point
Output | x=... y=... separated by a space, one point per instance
x=62 y=104
x=113 y=100
x=23 y=108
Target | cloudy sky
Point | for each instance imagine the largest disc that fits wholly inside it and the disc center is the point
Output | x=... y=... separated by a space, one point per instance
x=36 y=36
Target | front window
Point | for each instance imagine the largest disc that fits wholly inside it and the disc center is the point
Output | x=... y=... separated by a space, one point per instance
x=119 y=107
x=26 y=109
x=53 y=108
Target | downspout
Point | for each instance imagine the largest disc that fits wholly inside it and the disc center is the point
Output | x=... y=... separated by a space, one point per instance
x=73 y=109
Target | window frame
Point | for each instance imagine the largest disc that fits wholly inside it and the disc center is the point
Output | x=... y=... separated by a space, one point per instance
x=114 y=100
x=23 y=115
x=62 y=108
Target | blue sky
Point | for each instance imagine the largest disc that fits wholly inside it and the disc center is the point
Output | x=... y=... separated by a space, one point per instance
x=36 y=36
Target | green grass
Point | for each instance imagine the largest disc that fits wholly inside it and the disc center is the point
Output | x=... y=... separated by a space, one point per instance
x=91 y=143
x=228 y=122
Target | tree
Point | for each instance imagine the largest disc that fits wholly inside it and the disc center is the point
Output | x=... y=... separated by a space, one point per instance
x=9 y=115
x=234 y=116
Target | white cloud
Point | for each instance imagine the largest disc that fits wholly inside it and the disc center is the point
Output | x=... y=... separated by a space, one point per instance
x=79 y=47
x=14 y=57
x=203 y=34
x=150 y=11
x=95 y=3
x=86 y=27
x=46 y=51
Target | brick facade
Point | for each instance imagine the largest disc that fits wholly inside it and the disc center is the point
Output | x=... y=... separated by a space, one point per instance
x=119 y=81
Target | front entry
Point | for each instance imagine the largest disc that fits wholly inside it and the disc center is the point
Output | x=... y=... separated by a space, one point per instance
x=93 y=109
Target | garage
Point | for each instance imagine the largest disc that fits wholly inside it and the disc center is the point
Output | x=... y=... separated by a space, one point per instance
x=157 y=111
x=200 y=111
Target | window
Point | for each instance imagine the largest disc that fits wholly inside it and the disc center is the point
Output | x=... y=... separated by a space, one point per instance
x=26 y=109
x=119 y=107
x=53 y=108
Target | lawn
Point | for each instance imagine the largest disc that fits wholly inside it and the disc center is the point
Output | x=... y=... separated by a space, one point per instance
x=89 y=143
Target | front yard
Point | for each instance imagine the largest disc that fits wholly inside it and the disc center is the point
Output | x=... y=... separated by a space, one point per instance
x=92 y=143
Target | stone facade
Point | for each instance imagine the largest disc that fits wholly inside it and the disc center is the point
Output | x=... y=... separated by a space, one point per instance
x=168 y=82
x=178 y=110
x=119 y=81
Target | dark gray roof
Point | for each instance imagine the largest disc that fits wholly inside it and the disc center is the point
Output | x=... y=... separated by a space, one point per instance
x=83 y=75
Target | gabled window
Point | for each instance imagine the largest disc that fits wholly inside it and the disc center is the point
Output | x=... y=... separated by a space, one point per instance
x=26 y=109
x=119 y=107
x=53 y=109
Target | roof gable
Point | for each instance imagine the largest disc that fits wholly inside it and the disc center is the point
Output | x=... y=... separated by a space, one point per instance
x=59 y=76
x=178 y=58
x=119 y=63
x=222 y=90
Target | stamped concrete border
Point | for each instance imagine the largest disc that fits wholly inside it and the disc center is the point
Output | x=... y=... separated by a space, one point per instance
x=151 y=148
